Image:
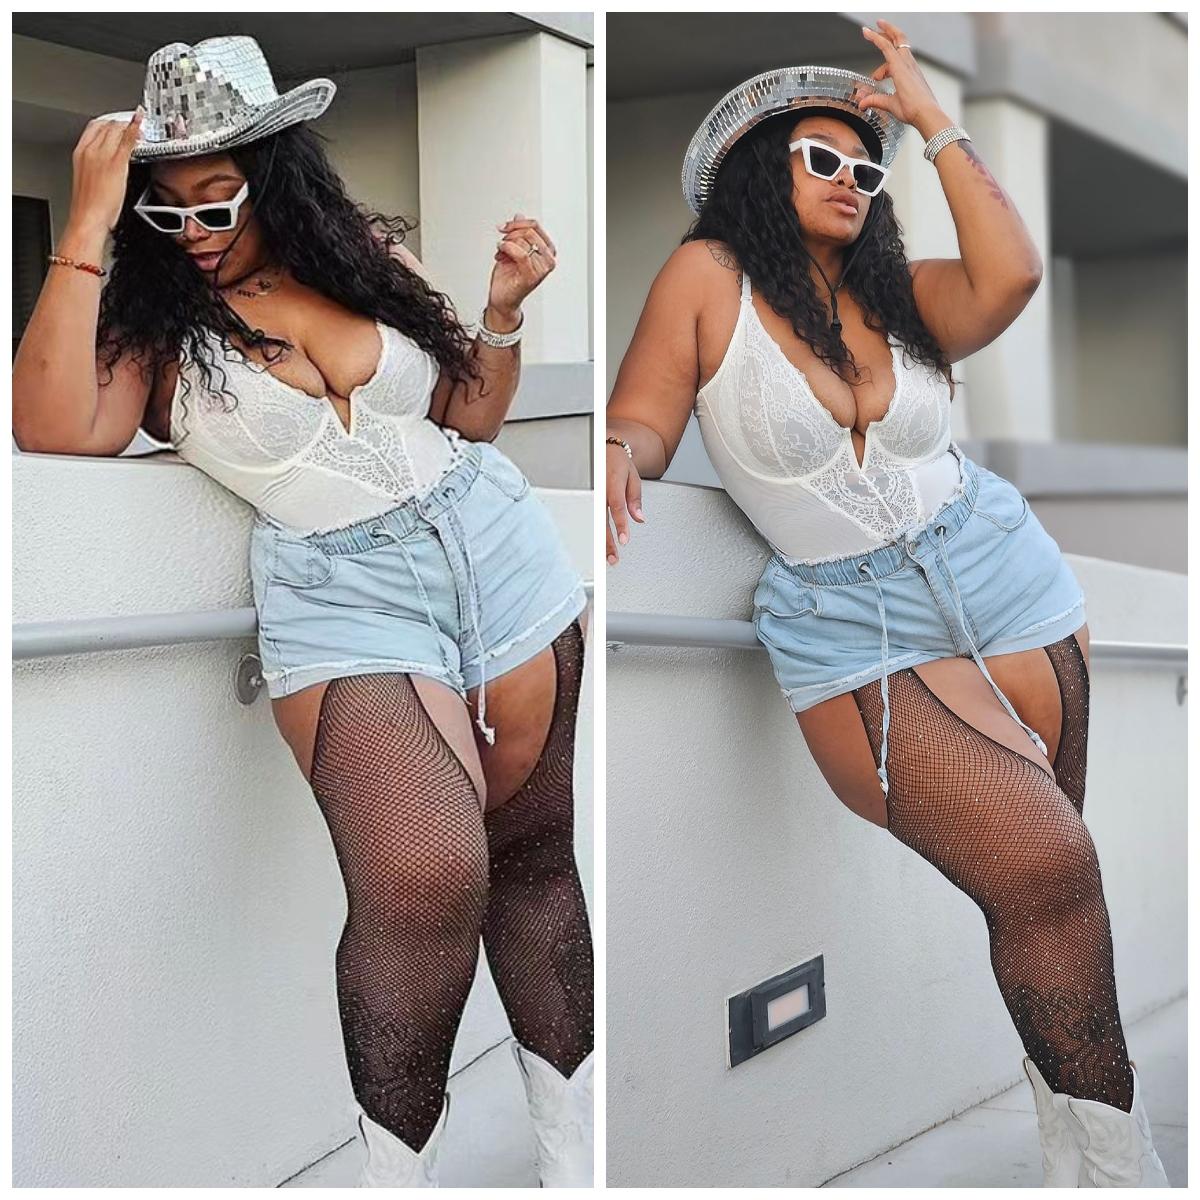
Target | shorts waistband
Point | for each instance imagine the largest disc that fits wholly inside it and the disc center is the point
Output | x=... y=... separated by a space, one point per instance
x=418 y=512
x=892 y=556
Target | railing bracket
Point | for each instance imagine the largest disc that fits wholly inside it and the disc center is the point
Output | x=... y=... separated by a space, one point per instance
x=247 y=678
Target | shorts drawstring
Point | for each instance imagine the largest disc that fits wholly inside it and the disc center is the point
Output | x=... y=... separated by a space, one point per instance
x=883 y=683
x=1012 y=712
x=455 y=523
x=450 y=528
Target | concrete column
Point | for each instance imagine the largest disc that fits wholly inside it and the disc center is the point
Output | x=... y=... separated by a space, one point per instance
x=1012 y=380
x=502 y=127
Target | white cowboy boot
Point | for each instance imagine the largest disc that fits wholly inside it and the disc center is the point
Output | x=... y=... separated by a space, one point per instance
x=392 y=1163
x=1116 y=1145
x=561 y=1111
x=1062 y=1159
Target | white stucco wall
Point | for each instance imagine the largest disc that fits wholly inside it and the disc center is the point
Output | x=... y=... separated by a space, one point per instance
x=176 y=900
x=729 y=860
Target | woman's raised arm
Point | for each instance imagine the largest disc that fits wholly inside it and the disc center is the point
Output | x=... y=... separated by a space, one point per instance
x=60 y=405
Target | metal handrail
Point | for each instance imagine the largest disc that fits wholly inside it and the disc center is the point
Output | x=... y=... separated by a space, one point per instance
x=92 y=635
x=662 y=629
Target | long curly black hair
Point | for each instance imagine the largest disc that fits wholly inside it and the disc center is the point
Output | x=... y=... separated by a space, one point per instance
x=750 y=209
x=157 y=306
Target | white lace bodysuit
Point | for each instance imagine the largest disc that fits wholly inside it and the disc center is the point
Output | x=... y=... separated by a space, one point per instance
x=287 y=453
x=790 y=465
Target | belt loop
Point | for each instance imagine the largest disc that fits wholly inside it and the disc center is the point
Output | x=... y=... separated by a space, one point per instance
x=1012 y=712
x=883 y=687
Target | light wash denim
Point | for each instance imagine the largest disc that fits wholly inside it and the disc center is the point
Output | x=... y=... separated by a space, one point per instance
x=980 y=576
x=465 y=582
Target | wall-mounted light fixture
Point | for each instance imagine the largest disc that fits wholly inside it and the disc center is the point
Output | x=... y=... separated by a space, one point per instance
x=771 y=1011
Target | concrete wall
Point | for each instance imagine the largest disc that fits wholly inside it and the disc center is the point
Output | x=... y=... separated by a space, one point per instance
x=176 y=901
x=729 y=860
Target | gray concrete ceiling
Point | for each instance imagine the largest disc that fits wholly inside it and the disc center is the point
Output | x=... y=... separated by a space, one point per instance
x=1106 y=202
x=295 y=43
x=655 y=54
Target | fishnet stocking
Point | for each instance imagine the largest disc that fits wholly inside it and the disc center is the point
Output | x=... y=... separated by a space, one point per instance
x=1002 y=831
x=1074 y=686
x=535 y=930
x=406 y=826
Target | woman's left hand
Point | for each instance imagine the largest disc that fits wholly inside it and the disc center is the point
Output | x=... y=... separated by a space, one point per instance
x=524 y=257
x=913 y=96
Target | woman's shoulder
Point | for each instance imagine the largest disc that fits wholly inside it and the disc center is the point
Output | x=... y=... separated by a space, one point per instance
x=701 y=269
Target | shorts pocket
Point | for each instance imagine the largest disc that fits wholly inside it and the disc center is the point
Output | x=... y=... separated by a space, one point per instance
x=1001 y=503
x=503 y=473
x=786 y=597
x=300 y=564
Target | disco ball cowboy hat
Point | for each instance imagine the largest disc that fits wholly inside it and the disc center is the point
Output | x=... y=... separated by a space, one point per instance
x=216 y=94
x=806 y=91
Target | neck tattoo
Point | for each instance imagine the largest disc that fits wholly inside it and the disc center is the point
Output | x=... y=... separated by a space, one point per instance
x=264 y=281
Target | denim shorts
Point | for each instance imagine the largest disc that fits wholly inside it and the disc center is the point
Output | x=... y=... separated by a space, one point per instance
x=469 y=579
x=980 y=576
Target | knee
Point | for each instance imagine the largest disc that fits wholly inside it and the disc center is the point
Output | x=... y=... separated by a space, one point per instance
x=1061 y=873
x=430 y=887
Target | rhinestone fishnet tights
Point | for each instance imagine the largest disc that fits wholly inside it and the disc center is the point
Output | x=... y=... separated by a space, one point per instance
x=413 y=849
x=406 y=826
x=535 y=930
x=1012 y=839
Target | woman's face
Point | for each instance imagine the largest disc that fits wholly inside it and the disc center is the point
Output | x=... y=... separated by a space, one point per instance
x=210 y=179
x=819 y=215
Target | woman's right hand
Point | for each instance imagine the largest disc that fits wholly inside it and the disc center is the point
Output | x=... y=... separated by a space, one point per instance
x=101 y=171
x=624 y=496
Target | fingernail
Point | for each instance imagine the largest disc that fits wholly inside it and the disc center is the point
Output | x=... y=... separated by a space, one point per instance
x=622 y=538
x=612 y=558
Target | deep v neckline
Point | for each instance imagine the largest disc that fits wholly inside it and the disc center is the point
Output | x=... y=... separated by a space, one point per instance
x=347 y=431
x=845 y=430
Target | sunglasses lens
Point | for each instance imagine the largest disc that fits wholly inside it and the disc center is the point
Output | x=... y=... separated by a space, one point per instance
x=824 y=162
x=868 y=178
x=167 y=222
x=217 y=218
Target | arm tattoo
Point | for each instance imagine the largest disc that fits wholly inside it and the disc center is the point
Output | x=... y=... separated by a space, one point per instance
x=722 y=255
x=981 y=167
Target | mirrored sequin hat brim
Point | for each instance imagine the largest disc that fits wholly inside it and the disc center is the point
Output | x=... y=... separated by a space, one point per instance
x=214 y=95
x=815 y=88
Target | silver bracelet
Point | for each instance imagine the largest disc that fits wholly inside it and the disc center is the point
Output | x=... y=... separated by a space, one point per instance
x=500 y=341
x=952 y=133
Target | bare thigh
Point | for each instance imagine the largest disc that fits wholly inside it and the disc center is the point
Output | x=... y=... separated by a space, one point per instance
x=520 y=707
x=839 y=745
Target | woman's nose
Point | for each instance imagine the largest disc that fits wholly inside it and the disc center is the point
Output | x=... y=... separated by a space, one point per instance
x=193 y=231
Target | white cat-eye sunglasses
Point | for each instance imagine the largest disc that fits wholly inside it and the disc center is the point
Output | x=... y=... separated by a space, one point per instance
x=825 y=163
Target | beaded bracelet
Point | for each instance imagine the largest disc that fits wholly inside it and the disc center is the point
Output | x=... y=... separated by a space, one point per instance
x=616 y=441
x=60 y=260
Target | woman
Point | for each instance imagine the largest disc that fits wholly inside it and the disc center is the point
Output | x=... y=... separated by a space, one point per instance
x=906 y=583
x=288 y=345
